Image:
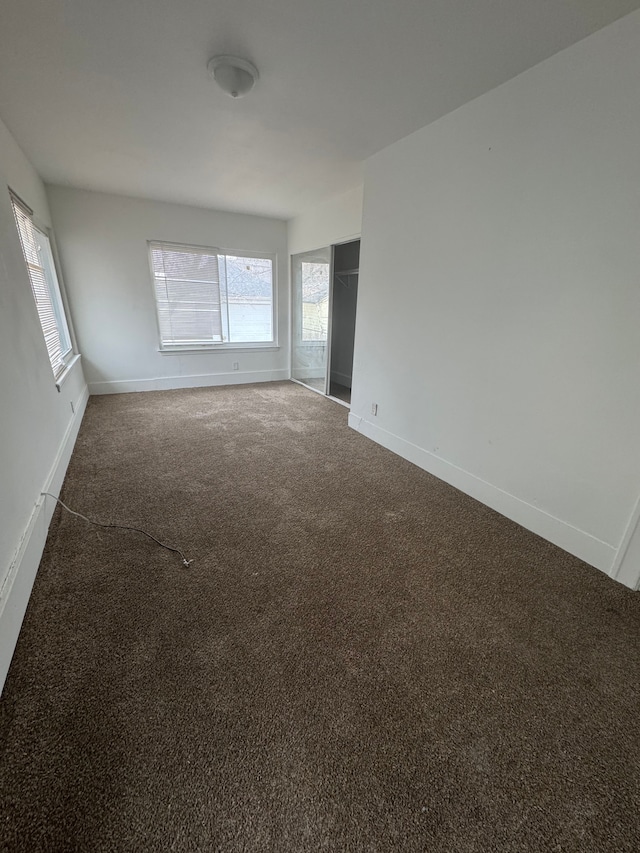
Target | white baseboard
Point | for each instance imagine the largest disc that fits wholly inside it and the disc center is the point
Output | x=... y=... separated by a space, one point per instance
x=168 y=383
x=300 y=374
x=18 y=582
x=577 y=542
x=626 y=566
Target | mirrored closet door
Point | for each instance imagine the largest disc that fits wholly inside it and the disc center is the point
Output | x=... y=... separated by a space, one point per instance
x=311 y=279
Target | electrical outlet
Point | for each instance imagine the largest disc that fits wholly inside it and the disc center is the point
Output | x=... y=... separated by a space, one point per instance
x=374 y=408
x=236 y=365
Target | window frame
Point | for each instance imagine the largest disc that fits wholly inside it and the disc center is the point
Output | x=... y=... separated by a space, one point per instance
x=55 y=288
x=217 y=346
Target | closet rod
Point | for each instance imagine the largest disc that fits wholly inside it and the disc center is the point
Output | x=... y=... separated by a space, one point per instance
x=340 y=273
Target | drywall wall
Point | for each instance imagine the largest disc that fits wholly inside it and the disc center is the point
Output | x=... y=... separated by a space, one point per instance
x=37 y=423
x=333 y=221
x=102 y=242
x=498 y=331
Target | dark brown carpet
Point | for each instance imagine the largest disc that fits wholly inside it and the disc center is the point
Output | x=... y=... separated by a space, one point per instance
x=360 y=658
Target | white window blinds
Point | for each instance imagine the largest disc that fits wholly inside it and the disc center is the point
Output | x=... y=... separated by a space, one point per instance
x=39 y=260
x=187 y=290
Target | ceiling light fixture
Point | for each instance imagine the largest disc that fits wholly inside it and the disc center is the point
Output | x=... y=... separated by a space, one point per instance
x=234 y=75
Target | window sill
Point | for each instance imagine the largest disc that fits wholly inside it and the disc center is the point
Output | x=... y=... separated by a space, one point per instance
x=220 y=349
x=67 y=370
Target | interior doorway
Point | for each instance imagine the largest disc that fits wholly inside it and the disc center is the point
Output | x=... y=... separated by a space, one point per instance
x=346 y=263
x=324 y=299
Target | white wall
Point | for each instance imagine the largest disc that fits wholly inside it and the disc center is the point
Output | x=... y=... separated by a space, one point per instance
x=103 y=249
x=333 y=221
x=37 y=425
x=499 y=314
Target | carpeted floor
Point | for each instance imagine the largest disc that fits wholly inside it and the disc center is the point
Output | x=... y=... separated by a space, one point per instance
x=360 y=658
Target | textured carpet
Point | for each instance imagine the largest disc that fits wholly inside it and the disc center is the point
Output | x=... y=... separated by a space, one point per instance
x=360 y=658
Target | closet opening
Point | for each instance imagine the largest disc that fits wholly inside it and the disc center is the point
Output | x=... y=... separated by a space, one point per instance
x=324 y=301
x=346 y=262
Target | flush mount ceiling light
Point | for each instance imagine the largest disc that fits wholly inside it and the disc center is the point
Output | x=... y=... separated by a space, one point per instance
x=234 y=75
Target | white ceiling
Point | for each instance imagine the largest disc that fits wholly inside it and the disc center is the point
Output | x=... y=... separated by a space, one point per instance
x=114 y=95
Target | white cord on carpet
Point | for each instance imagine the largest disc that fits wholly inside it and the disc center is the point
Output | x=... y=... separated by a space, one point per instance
x=185 y=562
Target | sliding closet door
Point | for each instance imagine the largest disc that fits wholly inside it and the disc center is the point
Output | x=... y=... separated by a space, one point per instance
x=310 y=277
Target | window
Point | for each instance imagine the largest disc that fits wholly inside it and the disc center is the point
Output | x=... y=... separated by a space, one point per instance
x=206 y=298
x=38 y=257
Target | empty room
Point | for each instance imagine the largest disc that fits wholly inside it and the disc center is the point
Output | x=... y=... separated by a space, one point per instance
x=320 y=426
